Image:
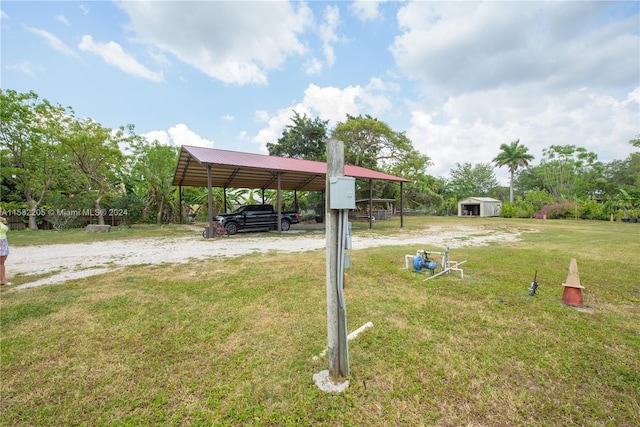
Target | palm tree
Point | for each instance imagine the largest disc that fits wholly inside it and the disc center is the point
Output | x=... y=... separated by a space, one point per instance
x=514 y=156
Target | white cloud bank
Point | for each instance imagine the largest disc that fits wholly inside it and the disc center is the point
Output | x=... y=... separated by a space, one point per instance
x=223 y=40
x=177 y=136
x=366 y=10
x=327 y=103
x=112 y=53
x=493 y=72
x=53 y=41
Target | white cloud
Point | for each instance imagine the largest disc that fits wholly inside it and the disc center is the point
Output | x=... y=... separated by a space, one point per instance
x=633 y=97
x=181 y=135
x=327 y=103
x=112 y=53
x=262 y=116
x=275 y=125
x=158 y=135
x=23 y=67
x=467 y=128
x=328 y=34
x=313 y=66
x=452 y=142
x=492 y=72
x=327 y=31
x=366 y=10
x=235 y=42
x=485 y=45
x=52 y=41
x=377 y=83
x=178 y=135
x=228 y=118
x=331 y=103
x=62 y=19
x=160 y=59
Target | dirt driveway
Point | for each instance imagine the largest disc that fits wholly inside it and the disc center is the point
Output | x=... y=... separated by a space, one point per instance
x=72 y=261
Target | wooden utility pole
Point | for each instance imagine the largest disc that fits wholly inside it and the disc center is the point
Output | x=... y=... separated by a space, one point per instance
x=338 y=350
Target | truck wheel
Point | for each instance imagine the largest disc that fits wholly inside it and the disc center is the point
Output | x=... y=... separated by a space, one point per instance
x=232 y=228
x=285 y=225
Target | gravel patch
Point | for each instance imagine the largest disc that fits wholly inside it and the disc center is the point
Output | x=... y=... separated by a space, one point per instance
x=74 y=261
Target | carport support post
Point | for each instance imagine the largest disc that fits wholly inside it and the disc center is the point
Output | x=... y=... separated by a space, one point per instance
x=224 y=199
x=210 y=234
x=370 y=204
x=401 y=206
x=337 y=350
x=279 y=221
x=180 y=203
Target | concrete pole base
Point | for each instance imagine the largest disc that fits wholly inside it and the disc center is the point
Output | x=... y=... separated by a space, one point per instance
x=326 y=384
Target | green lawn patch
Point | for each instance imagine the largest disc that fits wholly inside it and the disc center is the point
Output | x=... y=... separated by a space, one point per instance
x=232 y=341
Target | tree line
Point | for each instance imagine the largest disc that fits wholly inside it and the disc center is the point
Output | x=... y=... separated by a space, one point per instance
x=56 y=166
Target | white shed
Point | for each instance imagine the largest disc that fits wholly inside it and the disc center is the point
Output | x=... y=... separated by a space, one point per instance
x=479 y=206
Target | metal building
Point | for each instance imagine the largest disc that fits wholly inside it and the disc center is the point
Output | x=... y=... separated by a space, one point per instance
x=479 y=206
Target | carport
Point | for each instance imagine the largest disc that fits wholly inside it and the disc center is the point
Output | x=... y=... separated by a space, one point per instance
x=209 y=167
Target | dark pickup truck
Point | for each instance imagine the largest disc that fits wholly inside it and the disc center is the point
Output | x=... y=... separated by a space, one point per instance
x=257 y=217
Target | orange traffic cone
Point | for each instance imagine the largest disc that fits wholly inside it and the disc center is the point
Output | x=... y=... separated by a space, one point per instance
x=572 y=289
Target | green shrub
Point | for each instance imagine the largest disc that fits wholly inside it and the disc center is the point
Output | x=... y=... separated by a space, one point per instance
x=591 y=209
x=507 y=210
x=633 y=213
x=539 y=198
x=524 y=208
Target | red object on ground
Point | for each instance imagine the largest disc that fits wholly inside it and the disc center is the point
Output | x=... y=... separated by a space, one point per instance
x=572 y=294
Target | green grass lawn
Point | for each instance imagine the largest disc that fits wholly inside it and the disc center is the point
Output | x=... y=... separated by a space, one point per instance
x=232 y=341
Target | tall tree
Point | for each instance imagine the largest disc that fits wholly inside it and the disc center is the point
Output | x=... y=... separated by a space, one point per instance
x=29 y=130
x=513 y=156
x=303 y=139
x=529 y=179
x=369 y=142
x=568 y=170
x=422 y=190
x=372 y=144
x=93 y=150
x=623 y=178
x=154 y=165
x=471 y=180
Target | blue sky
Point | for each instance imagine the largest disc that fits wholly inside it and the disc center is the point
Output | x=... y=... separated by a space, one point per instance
x=460 y=78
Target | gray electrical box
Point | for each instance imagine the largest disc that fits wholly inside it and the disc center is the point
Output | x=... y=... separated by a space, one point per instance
x=346 y=261
x=342 y=192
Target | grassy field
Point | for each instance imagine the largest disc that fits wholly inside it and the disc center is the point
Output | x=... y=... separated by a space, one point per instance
x=232 y=341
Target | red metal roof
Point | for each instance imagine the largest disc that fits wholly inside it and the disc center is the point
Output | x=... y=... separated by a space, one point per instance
x=235 y=169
